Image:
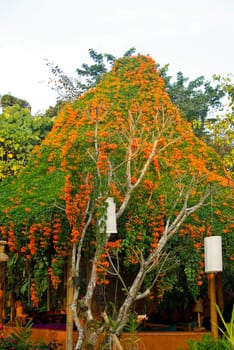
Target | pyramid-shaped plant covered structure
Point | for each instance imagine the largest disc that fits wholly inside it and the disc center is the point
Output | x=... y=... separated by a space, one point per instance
x=122 y=139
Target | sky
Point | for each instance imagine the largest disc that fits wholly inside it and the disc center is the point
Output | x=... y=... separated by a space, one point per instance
x=195 y=37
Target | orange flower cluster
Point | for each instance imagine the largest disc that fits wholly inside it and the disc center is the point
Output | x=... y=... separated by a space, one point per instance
x=57 y=230
x=113 y=244
x=103 y=156
x=12 y=239
x=76 y=205
x=200 y=273
x=69 y=143
x=158 y=226
x=70 y=207
x=149 y=185
x=32 y=245
x=3 y=231
x=102 y=162
x=34 y=296
x=75 y=235
x=114 y=192
x=133 y=258
x=157 y=166
x=101 y=269
x=54 y=279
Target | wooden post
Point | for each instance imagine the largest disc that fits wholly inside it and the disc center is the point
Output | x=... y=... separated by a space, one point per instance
x=48 y=307
x=213 y=311
x=1 y=305
x=69 y=319
x=3 y=260
x=220 y=300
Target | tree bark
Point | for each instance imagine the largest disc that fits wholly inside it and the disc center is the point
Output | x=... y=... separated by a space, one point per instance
x=69 y=320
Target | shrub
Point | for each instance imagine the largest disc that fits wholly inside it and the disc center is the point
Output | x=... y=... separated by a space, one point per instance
x=228 y=331
x=209 y=343
x=19 y=339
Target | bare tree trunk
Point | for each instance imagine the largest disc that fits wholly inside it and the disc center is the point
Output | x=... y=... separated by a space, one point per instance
x=131 y=297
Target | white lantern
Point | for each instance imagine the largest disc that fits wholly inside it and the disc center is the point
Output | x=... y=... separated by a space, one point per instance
x=213 y=254
x=111 y=225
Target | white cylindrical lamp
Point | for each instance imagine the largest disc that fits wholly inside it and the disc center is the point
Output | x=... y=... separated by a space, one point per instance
x=111 y=223
x=213 y=254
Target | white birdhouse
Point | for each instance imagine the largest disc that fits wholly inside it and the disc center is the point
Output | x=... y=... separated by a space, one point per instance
x=111 y=225
x=213 y=254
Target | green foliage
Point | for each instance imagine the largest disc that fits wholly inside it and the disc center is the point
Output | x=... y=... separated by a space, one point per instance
x=188 y=258
x=94 y=72
x=222 y=127
x=209 y=343
x=18 y=276
x=132 y=327
x=21 y=335
x=228 y=327
x=53 y=111
x=19 y=133
x=195 y=98
x=9 y=101
x=19 y=339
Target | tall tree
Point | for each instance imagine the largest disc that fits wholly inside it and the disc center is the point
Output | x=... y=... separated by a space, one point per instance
x=123 y=140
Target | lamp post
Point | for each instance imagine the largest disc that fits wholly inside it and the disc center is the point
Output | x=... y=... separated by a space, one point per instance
x=213 y=264
x=3 y=260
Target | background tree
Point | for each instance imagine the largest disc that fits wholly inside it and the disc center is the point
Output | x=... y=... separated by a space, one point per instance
x=195 y=99
x=9 y=101
x=94 y=72
x=88 y=75
x=222 y=127
x=123 y=139
x=19 y=133
x=53 y=111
